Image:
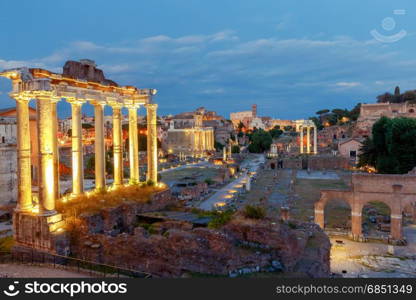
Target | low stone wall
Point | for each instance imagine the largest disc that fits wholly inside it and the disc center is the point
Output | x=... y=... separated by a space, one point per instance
x=316 y=163
x=122 y=218
x=241 y=246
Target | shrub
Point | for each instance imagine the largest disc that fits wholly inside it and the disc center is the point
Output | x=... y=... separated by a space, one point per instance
x=209 y=181
x=219 y=218
x=254 y=212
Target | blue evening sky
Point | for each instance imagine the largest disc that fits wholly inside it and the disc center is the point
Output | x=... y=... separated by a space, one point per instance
x=291 y=57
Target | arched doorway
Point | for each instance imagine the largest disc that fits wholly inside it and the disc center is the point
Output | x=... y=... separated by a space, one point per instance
x=337 y=215
x=376 y=220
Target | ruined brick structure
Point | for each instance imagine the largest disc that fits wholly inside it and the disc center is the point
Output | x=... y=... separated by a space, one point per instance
x=398 y=192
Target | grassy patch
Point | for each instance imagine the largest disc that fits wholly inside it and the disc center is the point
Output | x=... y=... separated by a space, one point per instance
x=6 y=244
x=219 y=218
x=97 y=201
x=254 y=212
x=308 y=192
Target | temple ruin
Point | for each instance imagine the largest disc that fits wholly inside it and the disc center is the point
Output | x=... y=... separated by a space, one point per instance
x=37 y=224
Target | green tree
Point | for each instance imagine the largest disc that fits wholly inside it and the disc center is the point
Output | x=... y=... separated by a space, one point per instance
x=392 y=148
x=218 y=146
x=235 y=149
x=322 y=111
x=275 y=132
x=260 y=141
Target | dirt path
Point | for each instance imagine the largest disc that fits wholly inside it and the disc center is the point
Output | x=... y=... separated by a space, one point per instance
x=28 y=271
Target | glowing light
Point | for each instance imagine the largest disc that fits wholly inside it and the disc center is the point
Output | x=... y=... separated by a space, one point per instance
x=228 y=196
x=220 y=204
x=232 y=191
x=35 y=209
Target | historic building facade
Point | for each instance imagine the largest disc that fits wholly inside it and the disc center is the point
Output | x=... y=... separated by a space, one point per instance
x=194 y=141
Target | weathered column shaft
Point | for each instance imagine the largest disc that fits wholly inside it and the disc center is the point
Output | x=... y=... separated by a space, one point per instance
x=396 y=230
x=133 y=146
x=301 y=139
x=308 y=140
x=99 y=147
x=117 y=146
x=24 y=176
x=356 y=220
x=320 y=215
x=315 y=140
x=77 y=151
x=47 y=184
x=151 y=142
x=55 y=149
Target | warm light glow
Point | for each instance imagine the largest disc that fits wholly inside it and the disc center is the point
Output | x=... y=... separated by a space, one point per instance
x=35 y=209
x=220 y=204
x=228 y=196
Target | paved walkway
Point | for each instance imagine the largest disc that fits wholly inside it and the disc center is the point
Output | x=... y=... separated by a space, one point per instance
x=354 y=259
x=223 y=194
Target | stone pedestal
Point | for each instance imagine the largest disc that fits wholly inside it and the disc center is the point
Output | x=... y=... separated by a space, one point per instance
x=42 y=233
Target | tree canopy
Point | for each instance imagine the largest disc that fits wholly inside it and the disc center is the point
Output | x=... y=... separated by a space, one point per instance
x=392 y=147
x=260 y=141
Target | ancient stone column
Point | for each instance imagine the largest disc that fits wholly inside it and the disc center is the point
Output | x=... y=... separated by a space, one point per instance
x=77 y=151
x=319 y=215
x=356 y=220
x=117 y=146
x=54 y=102
x=133 y=146
x=99 y=146
x=151 y=142
x=24 y=176
x=301 y=139
x=396 y=227
x=315 y=140
x=47 y=184
x=308 y=139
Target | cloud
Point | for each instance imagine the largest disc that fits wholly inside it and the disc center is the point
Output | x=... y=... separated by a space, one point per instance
x=213 y=91
x=347 y=84
x=228 y=72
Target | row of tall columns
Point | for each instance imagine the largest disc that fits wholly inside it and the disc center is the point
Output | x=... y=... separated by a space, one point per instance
x=48 y=172
x=308 y=140
x=203 y=140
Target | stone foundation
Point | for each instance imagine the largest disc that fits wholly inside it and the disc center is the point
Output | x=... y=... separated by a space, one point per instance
x=41 y=233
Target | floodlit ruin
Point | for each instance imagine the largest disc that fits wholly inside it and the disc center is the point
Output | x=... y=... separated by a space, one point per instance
x=36 y=222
